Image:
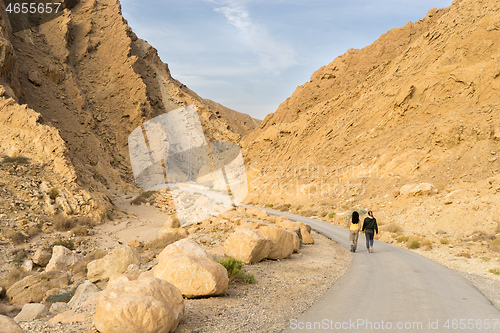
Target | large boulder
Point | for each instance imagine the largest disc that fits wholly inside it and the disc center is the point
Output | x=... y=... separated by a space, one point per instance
x=258 y=213
x=304 y=230
x=82 y=293
x=33 y=288
x=183 y=246
x=114 y=263
x=282 y=242
x=8 y=325
x=41 y=257
x=247 y=245
x=31 y=311
x=62 y=259
x=195 y=276
x=147 y=305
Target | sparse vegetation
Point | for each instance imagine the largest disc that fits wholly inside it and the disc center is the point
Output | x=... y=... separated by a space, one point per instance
x=414 y=244
x=142 y=198
x=62 y=223
x=402 y=239
x=18 y=257
x=15 y=237
x=298 y=207
x=495 y=271
x=67 y=243
x=464 y=255
x=332 y=215
x=441 y=232
x=15 y=274
x=64 y=296
x=427 y=244
x=480 y=235
x=15 y=160
x=34 y=230
x=269 y=205
x=444 y=241
x=495 y=245
x=53 y=193
x=393 y=228
x=235 y=272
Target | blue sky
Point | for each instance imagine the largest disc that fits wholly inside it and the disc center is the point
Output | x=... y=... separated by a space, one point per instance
x=250 y=55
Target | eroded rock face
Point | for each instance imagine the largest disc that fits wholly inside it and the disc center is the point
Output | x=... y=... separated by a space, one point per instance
x=282 y=242
x=183 y=246
x=147 y=305
x=422 y=189
x=249 y=246
x=41 y=257
x=114 y=263
x=82 y=293
x=33 y=288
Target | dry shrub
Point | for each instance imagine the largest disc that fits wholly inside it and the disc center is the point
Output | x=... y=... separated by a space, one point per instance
x=15 y=160
x=480 y=235
x=15 y=274
x=497 y=231
x=441 y=232
x=80 y=230
x=67 y=243
x=402 y=239
x=414 y=243
x=392 y=228
x=427 y=244
x=464 y=254
x=15 y=237
x=18 y=256
x=63 y=223
x=495 y=245
x=445 y=241
x=34 y=230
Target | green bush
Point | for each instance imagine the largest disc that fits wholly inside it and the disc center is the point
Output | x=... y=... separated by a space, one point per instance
x=53 y=193
x=415 y=244
x=67 y=243
x=15 y=160
x=234 y=270
x=331 y=215
x=402 y=239
x=495 y=245
x=495 y=271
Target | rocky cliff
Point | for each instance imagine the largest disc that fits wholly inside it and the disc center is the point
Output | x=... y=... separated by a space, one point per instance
x=72 y=90
x=419 y=105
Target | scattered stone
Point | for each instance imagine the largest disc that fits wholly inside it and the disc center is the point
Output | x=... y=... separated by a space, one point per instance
x=282 y=242
x=135 y=244
x=82 y=293
x=114 y=263
x=132 y=269
x=62 y=259
x=33 y=288
x=147 y=305
x=423 y=189
x=259 y=213
x=304 y=231
x=28 y=266
x=249 y=246
x=172 y=222
x=68 y=317
x=58 y=307
x=41 y=257
x=31 y=311
x=8 y=325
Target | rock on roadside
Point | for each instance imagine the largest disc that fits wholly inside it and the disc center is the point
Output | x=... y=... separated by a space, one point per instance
x=114 y=263
x=282 y=242
x=249 y=246
x=8 y=325
x=147 y=305
x=62 y=259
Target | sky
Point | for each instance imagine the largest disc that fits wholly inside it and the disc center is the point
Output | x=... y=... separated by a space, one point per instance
x=251 y=55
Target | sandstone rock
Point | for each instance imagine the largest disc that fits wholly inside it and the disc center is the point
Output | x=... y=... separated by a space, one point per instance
x=173 y=233
x=68 y=317
x=183 y=246
x=282 y=242
x=59 y=307
x=33 y=288
x=304 y=231
x=41 y=258
x=82 y=293
x=62 y=259
x=297 y=239
x=172 y=222
x=28 y=266
x=116 y=262
x=423 y=189
x=259 y=213
x=195 y=276
x=135 y=244
x=132 y=269
x=241 y=210
x=148 y=305
x=247 y=245
x=8 y=325
x=31 y=311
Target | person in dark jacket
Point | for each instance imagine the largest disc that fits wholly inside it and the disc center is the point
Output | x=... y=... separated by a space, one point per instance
x=370 y=227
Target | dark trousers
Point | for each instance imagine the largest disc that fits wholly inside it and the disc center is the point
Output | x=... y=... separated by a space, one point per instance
x=369 y=238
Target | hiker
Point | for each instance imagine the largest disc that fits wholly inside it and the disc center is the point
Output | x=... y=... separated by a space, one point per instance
x=370 y=227
x=354 y=227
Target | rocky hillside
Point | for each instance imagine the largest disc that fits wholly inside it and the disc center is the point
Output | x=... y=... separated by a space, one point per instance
x=419 y=107
x=71 y=91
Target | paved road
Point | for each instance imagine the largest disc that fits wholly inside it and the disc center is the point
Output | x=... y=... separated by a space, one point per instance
x=394 y=290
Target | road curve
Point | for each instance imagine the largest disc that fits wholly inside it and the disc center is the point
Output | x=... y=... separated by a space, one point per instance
x=394 y=290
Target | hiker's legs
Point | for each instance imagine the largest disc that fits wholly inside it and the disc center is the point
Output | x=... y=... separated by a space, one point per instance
x=368 y=236
x=356 y=234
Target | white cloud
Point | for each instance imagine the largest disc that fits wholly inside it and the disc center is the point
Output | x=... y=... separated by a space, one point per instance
x=274 y=56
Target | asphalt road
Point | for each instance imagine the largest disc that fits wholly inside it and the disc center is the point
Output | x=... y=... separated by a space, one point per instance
x=394 y=290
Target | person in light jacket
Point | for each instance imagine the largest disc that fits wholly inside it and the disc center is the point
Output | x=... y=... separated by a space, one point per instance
x=354 y=227
x=370 y=227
